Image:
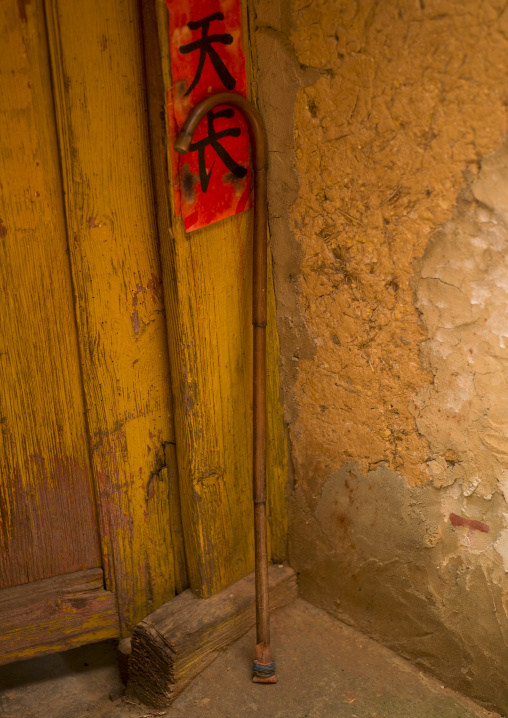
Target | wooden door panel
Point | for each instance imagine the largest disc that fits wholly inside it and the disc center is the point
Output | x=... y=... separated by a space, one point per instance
x=47 y=523
x=98 y=77
x=207 y=286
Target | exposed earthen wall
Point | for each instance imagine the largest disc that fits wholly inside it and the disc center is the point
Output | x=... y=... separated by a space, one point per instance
x=389 y=222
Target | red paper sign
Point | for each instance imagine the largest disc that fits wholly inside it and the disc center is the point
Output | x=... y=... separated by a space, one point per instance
x=212 y=181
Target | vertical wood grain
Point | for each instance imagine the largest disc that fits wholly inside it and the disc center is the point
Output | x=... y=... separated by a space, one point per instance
x=175 y=520
x=207 y=283
x=96 y=51
x=47 y=523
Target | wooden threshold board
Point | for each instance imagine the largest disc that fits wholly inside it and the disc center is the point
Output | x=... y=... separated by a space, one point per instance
x=55 y=614
x=176 y=642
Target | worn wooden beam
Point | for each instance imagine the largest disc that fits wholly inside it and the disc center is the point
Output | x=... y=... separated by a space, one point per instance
x=56 y=614
x=174 y=644
x=98 y=77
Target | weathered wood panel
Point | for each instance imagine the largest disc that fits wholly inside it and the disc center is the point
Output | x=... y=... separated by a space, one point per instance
x=47 y=523
x=97 y=60
x=56 y=614
x=174 y=644
x=207 y=283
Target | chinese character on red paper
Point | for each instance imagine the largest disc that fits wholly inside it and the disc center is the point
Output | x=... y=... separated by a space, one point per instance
x=212 y=181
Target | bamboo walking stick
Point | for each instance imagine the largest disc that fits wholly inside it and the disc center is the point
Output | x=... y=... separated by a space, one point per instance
x=264 y=666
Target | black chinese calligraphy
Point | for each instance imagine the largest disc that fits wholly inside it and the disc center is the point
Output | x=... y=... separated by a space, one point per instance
x=205 y=47
x=213 y=141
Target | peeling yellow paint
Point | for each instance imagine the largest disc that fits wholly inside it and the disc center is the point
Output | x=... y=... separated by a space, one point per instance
x=103 y=132
x=207 y=277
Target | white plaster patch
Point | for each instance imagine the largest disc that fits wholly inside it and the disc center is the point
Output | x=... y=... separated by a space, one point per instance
x=461 y=411
x=498 y=325
x=451 y=501
x=490 y=188
x=480 y=294
x=480 y=241
x=503 y=484
x=501 y=547
x=470 y=485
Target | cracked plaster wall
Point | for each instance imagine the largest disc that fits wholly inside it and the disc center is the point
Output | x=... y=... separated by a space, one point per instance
x=388 y=216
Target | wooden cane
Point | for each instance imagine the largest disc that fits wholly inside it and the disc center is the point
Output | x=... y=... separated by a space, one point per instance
x=264 y=666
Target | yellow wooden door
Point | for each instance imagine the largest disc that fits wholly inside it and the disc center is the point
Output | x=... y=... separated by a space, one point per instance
x=90 y=536
x=99 y=279
x=48 y=525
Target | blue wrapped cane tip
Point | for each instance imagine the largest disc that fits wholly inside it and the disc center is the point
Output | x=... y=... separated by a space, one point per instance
x=263 y=670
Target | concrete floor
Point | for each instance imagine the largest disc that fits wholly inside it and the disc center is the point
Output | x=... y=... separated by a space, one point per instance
x=326 y=670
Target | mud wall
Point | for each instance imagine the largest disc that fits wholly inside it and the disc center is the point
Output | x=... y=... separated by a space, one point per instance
x=389 y=223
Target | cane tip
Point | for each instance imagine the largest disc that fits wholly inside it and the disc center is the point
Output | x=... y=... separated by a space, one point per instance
x=263 y=668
